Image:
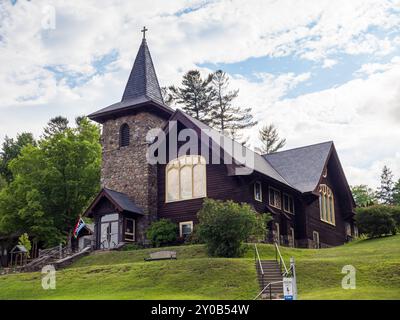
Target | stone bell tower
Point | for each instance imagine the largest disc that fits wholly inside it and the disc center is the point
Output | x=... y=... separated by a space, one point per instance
x=125 y=125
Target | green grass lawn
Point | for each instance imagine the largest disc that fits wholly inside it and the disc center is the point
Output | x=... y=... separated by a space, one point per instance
x=124 y=275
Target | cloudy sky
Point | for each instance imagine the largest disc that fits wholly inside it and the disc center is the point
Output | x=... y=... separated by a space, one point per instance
x=319 y=70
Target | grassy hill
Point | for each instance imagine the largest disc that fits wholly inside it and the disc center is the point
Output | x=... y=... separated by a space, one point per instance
x=124 y=275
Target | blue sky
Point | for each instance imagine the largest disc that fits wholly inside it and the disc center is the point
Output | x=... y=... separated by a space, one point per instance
x=325 y=71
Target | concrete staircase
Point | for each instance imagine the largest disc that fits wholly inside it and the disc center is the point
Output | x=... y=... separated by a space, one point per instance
x=269 y=271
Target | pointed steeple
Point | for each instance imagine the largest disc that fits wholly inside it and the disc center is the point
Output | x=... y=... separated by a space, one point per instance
x=142 y=91
x=143 y=80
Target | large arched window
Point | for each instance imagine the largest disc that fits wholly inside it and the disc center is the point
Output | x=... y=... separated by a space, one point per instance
x=186 y=178
x=326 y=204
x=124 y=135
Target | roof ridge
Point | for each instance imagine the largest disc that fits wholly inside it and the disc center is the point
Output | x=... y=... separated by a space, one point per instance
x=302 y=147
x=243 y=146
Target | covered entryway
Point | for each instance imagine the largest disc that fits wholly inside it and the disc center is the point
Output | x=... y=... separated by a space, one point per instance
x=115 y=219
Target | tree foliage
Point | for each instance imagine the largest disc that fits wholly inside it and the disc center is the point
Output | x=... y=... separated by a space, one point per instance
x=53 y=183
x=363 y=195
x=396 y=193
x=195 y=95
x=23 y=240
x=270 y=140
x=224 y=226
x=385 y=191
x=376 y=221
x=11 y=149
x=162 y=232
x=226 y=117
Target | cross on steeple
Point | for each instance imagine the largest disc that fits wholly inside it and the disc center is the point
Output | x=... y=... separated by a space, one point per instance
x=144 y=32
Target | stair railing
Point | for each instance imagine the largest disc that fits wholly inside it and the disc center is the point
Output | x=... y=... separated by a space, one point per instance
x=280 y=260
x=257 y=259
x=269 y=285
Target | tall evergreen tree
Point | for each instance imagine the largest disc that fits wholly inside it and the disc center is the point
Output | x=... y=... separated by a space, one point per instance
x=56 y=125
x=226 y=117
x=11 y=149
x=385 y=191
x=396 y=193
x=270 y=140
x=195 y=95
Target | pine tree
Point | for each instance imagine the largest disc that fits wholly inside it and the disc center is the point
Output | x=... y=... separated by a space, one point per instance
x=385 y=191
x=54 y=126
x=195 y=95
x=227 y=118
x=270 y=140
x=396 y=193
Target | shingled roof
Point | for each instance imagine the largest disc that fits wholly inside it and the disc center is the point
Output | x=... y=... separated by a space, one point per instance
x=142 y=89
x=301 y=167
x=259 y=164
x=120 y=201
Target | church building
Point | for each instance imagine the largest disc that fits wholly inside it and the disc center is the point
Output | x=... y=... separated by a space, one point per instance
x=304 y=189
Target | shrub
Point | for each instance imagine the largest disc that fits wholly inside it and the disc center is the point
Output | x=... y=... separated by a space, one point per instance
x=395 y=213
x=162 y=232
x=376 y=220
x=224 y=226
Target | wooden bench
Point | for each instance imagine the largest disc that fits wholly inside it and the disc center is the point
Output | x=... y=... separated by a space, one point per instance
x=161 y=255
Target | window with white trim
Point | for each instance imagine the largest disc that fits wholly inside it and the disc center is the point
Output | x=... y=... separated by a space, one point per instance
x=288 y=203
x=326 y=204
x=185 y=228
x=258 y=191
x=186 y=178
x=275 y=198
x=129 y=229
x=316 y=240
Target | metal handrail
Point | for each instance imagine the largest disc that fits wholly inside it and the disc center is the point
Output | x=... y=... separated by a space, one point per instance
x=258 y=258
x=270 y=287
x=281 y=261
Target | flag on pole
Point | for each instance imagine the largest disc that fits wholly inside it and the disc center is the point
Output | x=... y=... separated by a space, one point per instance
x=79 y=225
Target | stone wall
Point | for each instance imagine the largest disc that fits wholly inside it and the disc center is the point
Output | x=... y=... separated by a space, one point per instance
x=125 y=169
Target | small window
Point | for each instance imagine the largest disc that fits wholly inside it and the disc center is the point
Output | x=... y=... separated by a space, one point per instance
x=325 y=173
x=316 y=240
x=347 y=229
x=185 y=228
x=288 y=203
x=292 y=239
x=275 y=198
x=277 y=237
x=258 y=191
x=129 y=229
x=124 y=135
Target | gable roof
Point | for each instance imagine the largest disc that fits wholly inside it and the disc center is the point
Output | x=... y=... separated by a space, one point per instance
x=120 y=200
x=259 y=165
x=301 y=167
x=142 y=89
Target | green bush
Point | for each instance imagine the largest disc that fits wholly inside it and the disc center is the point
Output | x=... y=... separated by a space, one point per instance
x=395 y=213
x=162 y=232
x=224 y=226
x=376 y=221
